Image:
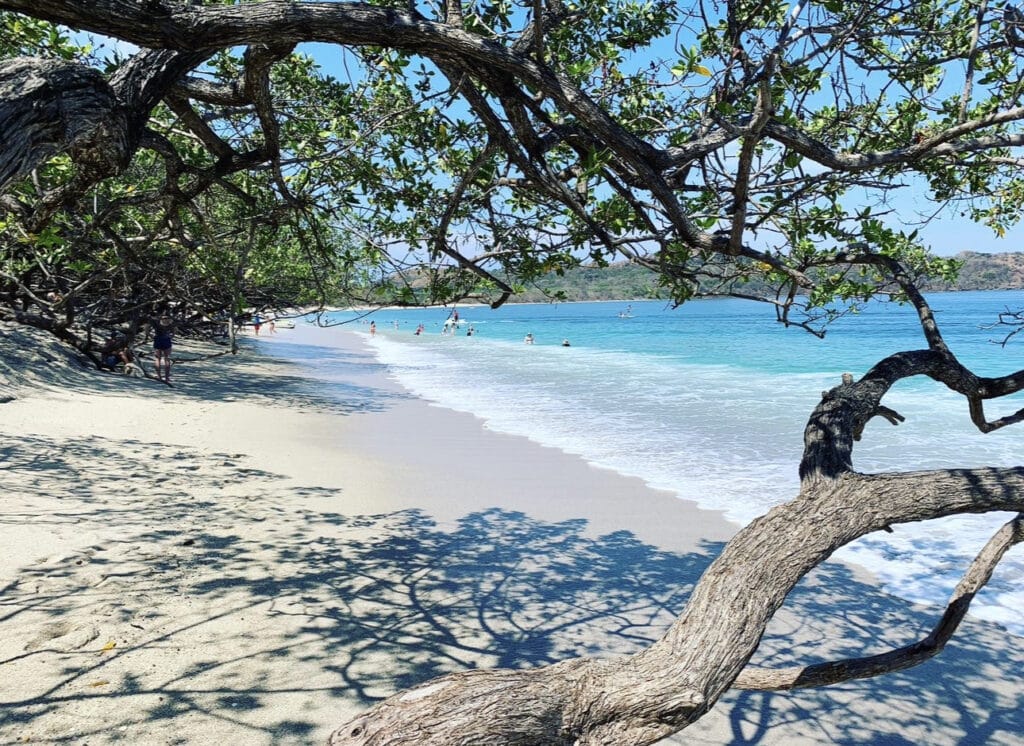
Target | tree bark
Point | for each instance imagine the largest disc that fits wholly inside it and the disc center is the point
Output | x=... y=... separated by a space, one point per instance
x=48 y=107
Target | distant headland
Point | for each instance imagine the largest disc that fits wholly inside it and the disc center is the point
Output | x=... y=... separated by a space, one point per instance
x=619 y=281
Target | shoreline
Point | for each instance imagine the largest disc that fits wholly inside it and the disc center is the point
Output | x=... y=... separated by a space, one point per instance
x=264 y=550
x=459 y=447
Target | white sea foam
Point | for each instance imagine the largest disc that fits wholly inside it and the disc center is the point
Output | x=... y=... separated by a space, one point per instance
x=718 y=431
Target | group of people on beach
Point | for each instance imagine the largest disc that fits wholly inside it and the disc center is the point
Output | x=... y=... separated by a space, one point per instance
x=117 y=352
x=257 y=324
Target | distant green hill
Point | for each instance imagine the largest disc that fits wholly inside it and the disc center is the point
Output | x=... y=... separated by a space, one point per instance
x=614 y=282
x=631 y=282
x=988 y=272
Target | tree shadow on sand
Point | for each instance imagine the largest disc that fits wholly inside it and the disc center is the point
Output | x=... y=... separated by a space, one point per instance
x=209 y=373
x=329 y=380
x=230 y=606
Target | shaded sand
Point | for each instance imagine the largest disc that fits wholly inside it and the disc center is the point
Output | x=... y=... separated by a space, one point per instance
x=266 y=549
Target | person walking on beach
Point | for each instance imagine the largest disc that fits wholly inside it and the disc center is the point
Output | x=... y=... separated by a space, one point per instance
x=163 y=341
x=256 y=323
x=373 y=328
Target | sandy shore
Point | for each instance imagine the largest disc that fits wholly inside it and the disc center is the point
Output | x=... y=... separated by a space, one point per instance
x=268 y=548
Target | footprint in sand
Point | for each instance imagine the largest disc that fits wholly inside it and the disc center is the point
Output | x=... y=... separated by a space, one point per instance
x=63 y=636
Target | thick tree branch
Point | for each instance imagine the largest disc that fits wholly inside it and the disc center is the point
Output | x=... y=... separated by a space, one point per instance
x=895 y=270
x=258 y=61
x=48 y=107
x=180 y=105
x=939 y=145
x=972 y=61
x=741 y=190
x=835 y=672
x=211 y=93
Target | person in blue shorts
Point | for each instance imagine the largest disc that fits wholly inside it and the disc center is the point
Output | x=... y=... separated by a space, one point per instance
x=163 y=340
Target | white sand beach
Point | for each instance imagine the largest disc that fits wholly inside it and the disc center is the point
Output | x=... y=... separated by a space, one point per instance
x=267 y=548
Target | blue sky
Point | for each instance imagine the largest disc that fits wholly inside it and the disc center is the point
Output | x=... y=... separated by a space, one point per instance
x=953 y=234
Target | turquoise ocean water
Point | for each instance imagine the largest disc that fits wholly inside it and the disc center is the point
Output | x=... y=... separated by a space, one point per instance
x=710 y=401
